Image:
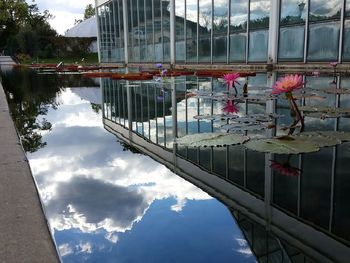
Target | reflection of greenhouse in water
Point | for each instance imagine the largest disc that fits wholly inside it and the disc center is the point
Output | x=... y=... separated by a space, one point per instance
x=223 y=31
x=301 y=218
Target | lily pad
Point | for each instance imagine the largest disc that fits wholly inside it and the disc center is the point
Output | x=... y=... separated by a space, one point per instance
x=282 y=146
x=336 y=91
x=321 y=140
x=215 y=117
x=340 y=135
x=325 y=112
x=243 y=127
x=211 y=139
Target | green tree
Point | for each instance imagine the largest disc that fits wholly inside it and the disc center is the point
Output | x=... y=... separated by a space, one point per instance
x=24 y=29
x=89 y=11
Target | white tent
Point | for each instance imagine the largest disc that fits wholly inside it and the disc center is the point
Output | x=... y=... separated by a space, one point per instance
x=87 y=28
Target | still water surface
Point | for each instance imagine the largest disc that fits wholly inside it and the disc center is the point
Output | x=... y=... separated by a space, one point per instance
x=119 y=194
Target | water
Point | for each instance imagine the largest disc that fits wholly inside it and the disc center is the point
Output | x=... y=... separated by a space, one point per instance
x=119 y=194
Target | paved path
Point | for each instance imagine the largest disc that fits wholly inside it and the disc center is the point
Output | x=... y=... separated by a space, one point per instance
x=24 y=234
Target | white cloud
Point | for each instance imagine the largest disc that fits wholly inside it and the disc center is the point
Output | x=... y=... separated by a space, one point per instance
x=65 y=249
x=84 y=248
x=65 y=12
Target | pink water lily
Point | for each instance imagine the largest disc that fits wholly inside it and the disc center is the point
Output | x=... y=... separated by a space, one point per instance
x=230 y=79
x=285 y=169
x=288 y=84
x=230 y=107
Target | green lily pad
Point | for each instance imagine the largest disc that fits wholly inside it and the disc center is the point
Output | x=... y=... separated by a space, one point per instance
x=282 y=146
x=211 y=139
x=321 y=140
x=340 y=135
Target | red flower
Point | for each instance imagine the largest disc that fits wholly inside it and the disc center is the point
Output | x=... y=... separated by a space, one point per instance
x=230 y=107
x=230 y=79
x=285 y=169
x=288 y=83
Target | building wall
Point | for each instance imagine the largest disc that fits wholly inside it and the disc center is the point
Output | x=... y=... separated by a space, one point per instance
x=224 y=31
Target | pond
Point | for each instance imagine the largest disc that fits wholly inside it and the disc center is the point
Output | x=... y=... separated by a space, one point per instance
x=116 y=188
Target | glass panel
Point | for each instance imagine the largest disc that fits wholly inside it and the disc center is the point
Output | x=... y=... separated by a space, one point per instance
x=135 y=31
x=158 y=31
x=219 y=161
x=101 y=31
x=315 y=193
x=191 y=31
x=346 y=45
x=116 y=52
x=111 y=37
x=166 y=29
x=220 y=30
x=259 y=14
x=236 y=164
x=323 y=42
x=291 y=44
x=342 y=194
x=324 y=9
x=205 y=26
x=142 y=30
x=238 y=46
x=238 y=29
x=258 y=41
x=130 y=34
x=180 y=30
x=285 y=188
x=149 y=32
x=255 y=172
x=121 y=28
x=293 y=12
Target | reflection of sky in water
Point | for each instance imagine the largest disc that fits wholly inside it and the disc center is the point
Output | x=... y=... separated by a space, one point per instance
x=105 y=204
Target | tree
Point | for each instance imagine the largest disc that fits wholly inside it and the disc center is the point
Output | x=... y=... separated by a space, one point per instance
x=24 y=29
x=89 y=11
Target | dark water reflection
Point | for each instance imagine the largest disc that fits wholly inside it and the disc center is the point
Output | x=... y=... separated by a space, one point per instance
x=108 y=201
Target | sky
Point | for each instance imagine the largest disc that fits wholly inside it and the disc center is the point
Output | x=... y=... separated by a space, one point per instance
x=64 y=11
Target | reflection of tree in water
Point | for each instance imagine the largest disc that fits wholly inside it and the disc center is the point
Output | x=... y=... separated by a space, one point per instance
x=31 y=95
x=96 y=107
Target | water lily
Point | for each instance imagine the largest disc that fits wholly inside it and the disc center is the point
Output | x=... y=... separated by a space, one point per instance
x=285 y=168
x=159 y=65
x=230 y=79
x=230 y=107
x=288 y=84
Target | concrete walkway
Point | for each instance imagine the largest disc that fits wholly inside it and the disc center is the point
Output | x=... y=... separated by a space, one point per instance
x=24 y=233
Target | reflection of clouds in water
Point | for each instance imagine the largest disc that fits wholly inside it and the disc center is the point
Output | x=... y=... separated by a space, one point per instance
x=65 y=249
x=244 y=248
x=88 y=182
x=89 y=204
x=68 y=115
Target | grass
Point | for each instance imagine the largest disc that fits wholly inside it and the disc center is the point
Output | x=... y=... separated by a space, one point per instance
x=88 y=59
